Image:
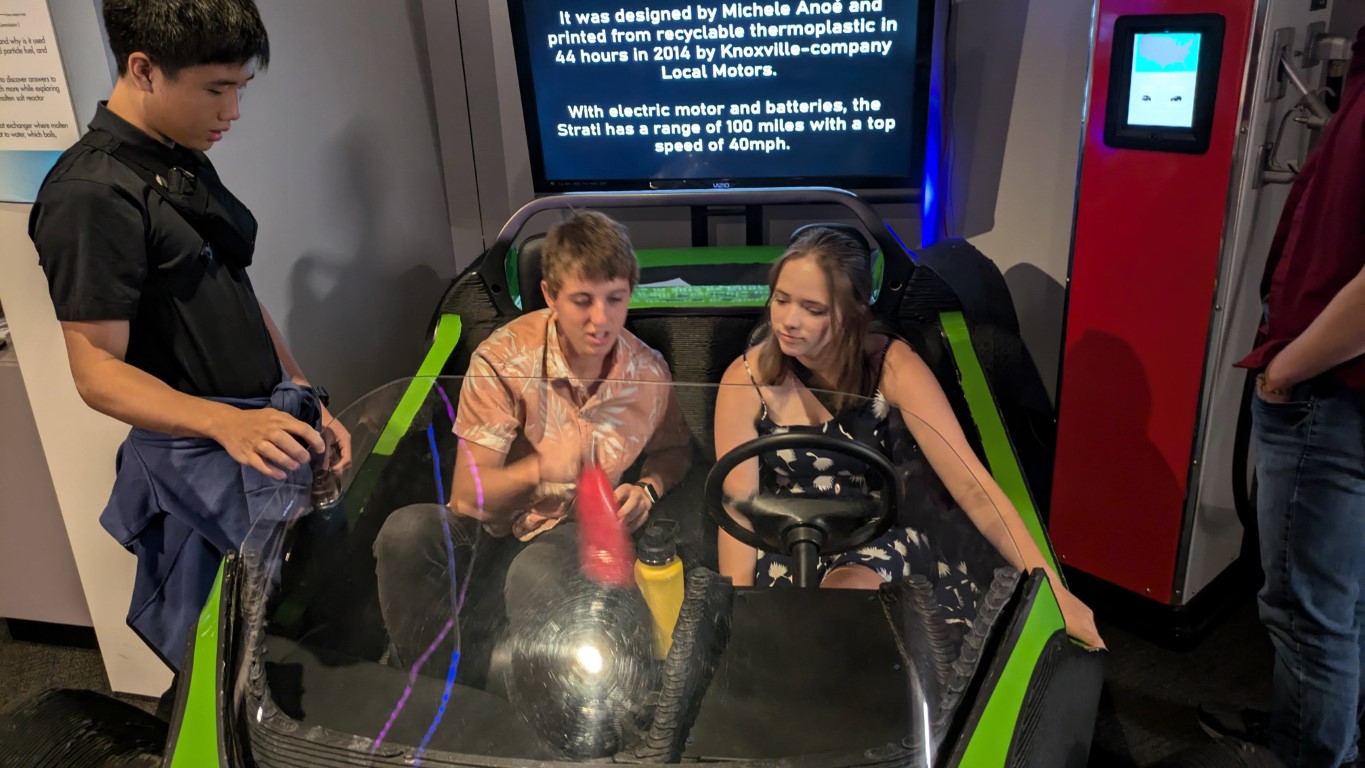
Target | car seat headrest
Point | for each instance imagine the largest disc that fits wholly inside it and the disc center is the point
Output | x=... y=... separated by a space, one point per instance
x=759 y=333
x=530 y=271
x=847 y=229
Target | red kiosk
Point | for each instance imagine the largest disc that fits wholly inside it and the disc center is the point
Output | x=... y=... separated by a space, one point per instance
x=1172 y=224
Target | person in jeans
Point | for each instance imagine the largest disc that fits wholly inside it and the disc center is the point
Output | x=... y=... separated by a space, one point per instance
x=1308 y=423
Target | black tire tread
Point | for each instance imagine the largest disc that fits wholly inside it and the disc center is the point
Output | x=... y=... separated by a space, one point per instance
x=697 y=640
x=964 y=669
x=924 y=602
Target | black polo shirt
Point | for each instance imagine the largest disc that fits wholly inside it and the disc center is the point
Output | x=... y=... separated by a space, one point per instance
x=114 y=249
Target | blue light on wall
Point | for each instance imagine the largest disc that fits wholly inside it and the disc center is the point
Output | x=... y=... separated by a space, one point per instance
x=930 y=212
x=933 y=218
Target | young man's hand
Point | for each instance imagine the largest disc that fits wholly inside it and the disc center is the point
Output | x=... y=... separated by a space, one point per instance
x=1271 y=393
x=635 y=506
x=338 y=440
x=268 y=440
x=559 y=461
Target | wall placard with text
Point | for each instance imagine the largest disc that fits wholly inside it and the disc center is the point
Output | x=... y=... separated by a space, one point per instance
x=37 y=120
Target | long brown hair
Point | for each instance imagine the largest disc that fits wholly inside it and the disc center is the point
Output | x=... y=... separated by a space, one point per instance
x=848 y=271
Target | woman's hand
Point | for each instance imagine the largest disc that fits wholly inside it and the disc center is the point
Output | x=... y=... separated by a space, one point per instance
x=1080 y=620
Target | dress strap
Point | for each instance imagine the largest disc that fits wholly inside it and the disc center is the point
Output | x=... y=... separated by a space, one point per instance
x=881 y=363
x=757 y=388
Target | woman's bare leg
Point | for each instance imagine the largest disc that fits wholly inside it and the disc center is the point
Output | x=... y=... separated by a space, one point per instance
x=852 y=577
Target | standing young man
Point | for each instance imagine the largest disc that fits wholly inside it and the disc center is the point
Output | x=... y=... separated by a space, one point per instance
x=1308 y=419
x=146 y=253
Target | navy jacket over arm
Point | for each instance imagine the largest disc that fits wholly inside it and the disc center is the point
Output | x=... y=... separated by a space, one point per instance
x=181 y=503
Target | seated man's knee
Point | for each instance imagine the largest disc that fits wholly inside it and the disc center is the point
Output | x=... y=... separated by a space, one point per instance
x=544 y=571
x=410 y=529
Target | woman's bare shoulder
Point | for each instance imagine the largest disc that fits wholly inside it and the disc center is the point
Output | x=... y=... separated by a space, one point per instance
x=738 y=372
x=902 y=366
x=899 y=350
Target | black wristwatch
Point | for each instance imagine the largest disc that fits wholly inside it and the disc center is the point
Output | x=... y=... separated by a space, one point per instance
x=649 y=490
x=322 y=395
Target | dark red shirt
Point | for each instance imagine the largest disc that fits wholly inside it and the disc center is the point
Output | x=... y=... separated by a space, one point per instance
x=1320 y=244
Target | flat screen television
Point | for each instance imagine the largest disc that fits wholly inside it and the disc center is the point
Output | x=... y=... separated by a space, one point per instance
x=633 y=95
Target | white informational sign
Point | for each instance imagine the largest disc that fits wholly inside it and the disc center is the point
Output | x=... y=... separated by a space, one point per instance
x=37 y=121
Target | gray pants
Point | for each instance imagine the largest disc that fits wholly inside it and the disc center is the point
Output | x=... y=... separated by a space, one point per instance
x=501 y=580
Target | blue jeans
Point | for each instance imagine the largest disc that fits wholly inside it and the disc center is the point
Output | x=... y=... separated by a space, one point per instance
x=1310 y=464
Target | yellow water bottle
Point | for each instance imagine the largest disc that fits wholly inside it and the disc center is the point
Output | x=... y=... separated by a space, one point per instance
x=659 y=573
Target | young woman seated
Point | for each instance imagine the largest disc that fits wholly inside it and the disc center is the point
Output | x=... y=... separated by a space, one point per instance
x=820 y=340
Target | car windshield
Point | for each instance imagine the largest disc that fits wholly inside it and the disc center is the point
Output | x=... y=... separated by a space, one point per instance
x=465 y=589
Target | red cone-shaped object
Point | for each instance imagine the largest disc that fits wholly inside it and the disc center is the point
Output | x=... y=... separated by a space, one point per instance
x=604 y=548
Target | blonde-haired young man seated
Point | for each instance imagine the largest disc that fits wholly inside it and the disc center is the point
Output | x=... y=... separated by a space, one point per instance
x=542 y=394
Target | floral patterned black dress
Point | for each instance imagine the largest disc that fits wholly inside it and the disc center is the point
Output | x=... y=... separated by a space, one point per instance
x=894 y=555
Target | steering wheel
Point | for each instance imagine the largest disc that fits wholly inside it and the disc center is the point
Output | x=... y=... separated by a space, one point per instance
x=804 y=528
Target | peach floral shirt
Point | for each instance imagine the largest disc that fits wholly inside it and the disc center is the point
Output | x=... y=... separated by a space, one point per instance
x=519 y=394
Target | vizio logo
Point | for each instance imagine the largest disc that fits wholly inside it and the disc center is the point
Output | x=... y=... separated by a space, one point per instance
x=720 y=185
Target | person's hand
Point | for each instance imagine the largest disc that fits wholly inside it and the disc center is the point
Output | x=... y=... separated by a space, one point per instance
x=268 y=440
x=1270 y=392
x=1080 y=620
x=338 y=440
x=560 y=461
x=634 y=504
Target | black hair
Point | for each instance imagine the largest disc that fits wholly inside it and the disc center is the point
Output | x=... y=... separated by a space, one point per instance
x=176 y=34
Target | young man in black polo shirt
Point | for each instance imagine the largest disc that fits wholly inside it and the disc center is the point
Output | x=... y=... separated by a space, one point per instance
x=146 y=253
